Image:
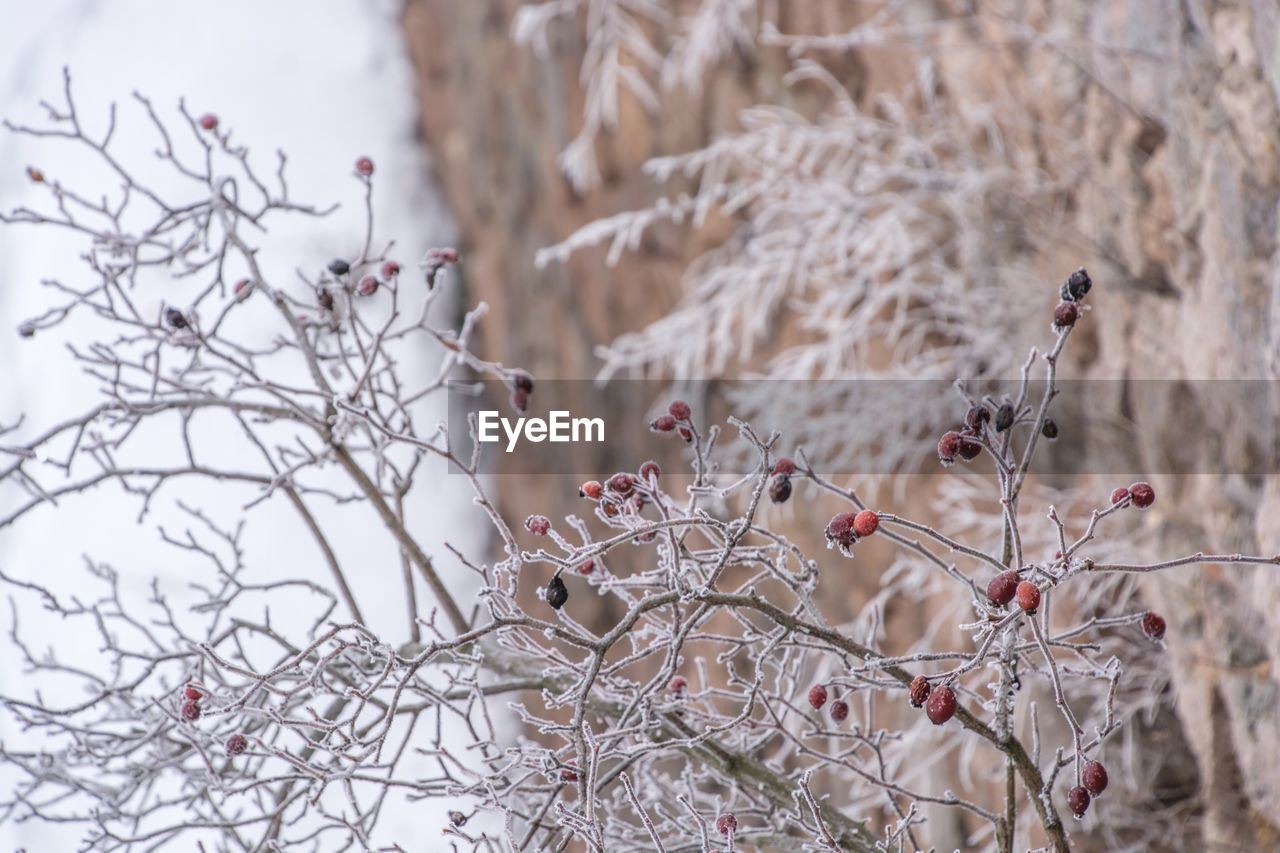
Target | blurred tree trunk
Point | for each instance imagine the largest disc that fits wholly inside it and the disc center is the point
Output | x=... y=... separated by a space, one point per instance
x=1177 y=103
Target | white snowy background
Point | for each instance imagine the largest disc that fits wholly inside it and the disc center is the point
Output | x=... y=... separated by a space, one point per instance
x=327 y=82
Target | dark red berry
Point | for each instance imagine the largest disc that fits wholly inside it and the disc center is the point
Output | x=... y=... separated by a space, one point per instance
x=948 y=447
x=208 y=121
x=976 y=417
x=1094 y=776
x=1153 y=625
x=364 y=166
x=193 y=693
x=677 y=684
x=586 y=567
x=663 y=423
x=650 y=471
x=591 y=489
x=191 y=711
x=840 y=529
x=941 y=705
x=839 y=710
x=1119 y=495
x=1064 y=316
x=1078 y=284
x=176 y=318
x=918 y=692
x=865 y=523
x=522 y=380
x=243 y=289
x=622 y=483
x=368 y=286
x=237 y=744
x=1004 y=417
x=35 y=175
x=520 y=400
x=457 y=818
x=680 y=410
x=784 y=467
x=538 y=524
x=1002 y=588
x=568 y=774
x=1078 y=801
x=390 y=269
x=686 y=434
x=1028 y=595
x=779 y=489
x=1143 y=495
x=970 y=448
x=325 y=298
x=817 y=696
x=557 y=593
x=726 y=824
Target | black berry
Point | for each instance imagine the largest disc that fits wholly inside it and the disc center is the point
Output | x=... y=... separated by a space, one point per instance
x=557 y=593
x=338 y=266
x=1049 y=429
x=779 y=489
x=1077 y=286
x=176 y=318
x=1004 y=417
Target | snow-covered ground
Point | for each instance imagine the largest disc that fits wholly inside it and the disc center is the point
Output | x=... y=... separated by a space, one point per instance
x=326 y=82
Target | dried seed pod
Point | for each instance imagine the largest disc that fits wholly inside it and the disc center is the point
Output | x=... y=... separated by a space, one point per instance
x=1004 y=417
x=918 y=692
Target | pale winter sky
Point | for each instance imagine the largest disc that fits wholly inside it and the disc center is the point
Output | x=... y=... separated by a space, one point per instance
x=327 y=82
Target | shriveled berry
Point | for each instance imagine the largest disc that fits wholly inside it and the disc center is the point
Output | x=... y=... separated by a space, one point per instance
x=1153 y=625
x=557 y=593
x=35 y=175
x=1028 y=595
x=325 y=298
x=784 y=467
x=443 y=255
x=538 y=524
x=193 y=693
x=678 y=684
x=1065 y=315
x=364 y=166
x=622 y=483
x=368 y=285
x=176 y=318
x=1094 y=776
x=390 y=269
x=1143 y=495
x=457 y=818
x=726 y=824
x=663 y=423
x=522 y=380
x=977 y=416
x=568 y=774
x=591 y=489
x=1002 y=588
x=839 y=710
x=941 y=705
x=1049 y=429
x=520 y=400
x=680 y=410
x=840 y=529
x=586 y=567
x=948 y=447
x=817 y=696
x=1004 y=417
x=1119 y=495
x=338 y=266
x=650 y=471
x=208 y=121
x=243 y=289
x=1078 y=800
x=918 y=692
x=191 y=711
x=686 y=434
x=1077 y=286
x=27 y=329
x=865 y=523
x=779 y=489
x=237 y=744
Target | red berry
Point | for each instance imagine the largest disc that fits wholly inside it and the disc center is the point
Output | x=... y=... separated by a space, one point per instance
x=941 y=705
x=976 y=417
x=686 y=434
x=784 y=467
x=368 y=286
x=243 y=289
x=591 y=489
x=1002 y=588
x=1094 y=776
x=390 y=269
x=568 y=774
x=191 y=711
x=586 y=567
x=1028 y=595
x=918 y=692
x=1143 y=495
x=780 y=489
x=208 y=121
x=520 y=400
x=726 y=824
x=1078 y=800
x=1064 y=316
x=522 y=380
x=364 y=166
x=970 y=447
x=680 y=410
x=817 y=696
x=840 y=529
x=193 y=693
x=650 y=470
x=664 y=423
x=839 y=710
x=677 y=684
x=236 y=745
x=948 y=447
x=538 y=524
x=1119 y=495
x=622 y=483
x=865 y=523
x=1153 y=625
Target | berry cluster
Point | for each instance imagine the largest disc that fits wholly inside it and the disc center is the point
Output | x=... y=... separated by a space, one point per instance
x=678 y=419
x=846 y=528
